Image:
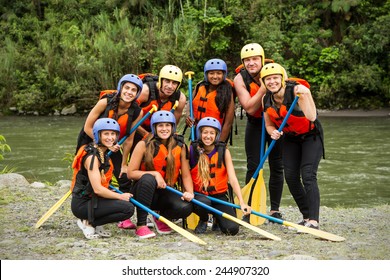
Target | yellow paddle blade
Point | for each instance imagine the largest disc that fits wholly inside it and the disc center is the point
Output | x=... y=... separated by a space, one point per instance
x=192 y=221
x=245 y=192
x=316 y=232
x=52 y=209
x=259 y=200
x=256 y=229
x=182 y=231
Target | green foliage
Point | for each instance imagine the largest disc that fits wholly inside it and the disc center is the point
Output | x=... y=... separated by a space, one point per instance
x=3 y=149
x=65 y=52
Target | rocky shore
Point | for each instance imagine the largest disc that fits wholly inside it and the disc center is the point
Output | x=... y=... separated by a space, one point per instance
x=22 y=204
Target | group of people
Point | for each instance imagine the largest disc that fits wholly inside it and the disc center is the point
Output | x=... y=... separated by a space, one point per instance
x=156 y=155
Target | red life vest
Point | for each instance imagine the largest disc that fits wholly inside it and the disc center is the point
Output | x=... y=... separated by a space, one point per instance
x=297 y=123
x=80 y=181
x=218 y=183
x=204 y=105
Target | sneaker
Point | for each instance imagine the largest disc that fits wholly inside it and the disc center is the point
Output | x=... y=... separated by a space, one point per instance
x=144 y=232
x=276 y=215
x=302 y=223
x=310 y=225
x=161 y=227
x=201 y=227
x=210 y=221
x=127 y=224
x=88 y=230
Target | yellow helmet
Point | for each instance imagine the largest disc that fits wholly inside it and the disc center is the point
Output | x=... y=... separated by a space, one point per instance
x=273 y=69
x=252 y=49
x=170 y=72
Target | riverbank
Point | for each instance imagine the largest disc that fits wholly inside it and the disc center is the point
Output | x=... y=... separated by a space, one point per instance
x=365 y=229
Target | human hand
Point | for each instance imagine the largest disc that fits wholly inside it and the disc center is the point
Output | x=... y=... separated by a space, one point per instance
x=161 y=184
x=276 y=134
x=126 y=196
x=114 y=148
x=189 y=122
x=187 y=196
x=246 y=210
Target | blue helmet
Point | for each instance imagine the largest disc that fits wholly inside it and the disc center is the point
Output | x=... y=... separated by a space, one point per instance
x=162 y=117
x=215 y=64
x=132 y=78
x=210 y=122
x=104 y=124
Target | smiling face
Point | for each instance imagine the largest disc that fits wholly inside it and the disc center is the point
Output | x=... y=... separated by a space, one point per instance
x=164 y=130
x=108 y=137
x=208 y=135
x=273 y=82
x=253 y=65
x=215 y=77
x=168 y=86
x=129 y=92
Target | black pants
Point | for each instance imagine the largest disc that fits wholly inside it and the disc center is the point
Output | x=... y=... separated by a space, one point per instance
x=104 y=211
x=227 y=226
x=301 y=157
x=123 y=182
x=253 y=133
x=168 y=203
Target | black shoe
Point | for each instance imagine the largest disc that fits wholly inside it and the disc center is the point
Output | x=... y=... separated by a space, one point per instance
x=310 y=225
x=201 y=227
x=276 y=215
x=215 y=226
x=302 y=223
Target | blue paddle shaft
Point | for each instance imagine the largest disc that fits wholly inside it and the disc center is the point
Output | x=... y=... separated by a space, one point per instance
x=276 y=220
x=138 y=204
x=195 y=201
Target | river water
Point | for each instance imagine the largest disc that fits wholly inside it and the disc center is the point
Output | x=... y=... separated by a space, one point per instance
x=355 y=173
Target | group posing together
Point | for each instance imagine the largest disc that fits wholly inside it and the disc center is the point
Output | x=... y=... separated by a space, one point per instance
x=147 y=154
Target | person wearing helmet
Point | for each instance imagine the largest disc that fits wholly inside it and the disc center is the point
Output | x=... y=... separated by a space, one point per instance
x=213 y=97
x=212 y=169
x=162 y=93
x=250 y=93
x=122 y=107
x=157 y=162
x=92 y=202
x=302 y=138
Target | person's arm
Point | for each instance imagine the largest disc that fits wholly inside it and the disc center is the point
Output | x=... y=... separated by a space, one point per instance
x=306 y=102
x=179 y=109
x=228 y=121
x=95 y=179
x=134 y=171
x=188 y=186
x=250 y=103
x=127 y=146
x=234 y=182
x=93 y=115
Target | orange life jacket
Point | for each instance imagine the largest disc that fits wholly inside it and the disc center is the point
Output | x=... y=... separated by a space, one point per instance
x=80 y=181
x=297 y=123
x=218 y=183
x=204 y=105
x=160 y=159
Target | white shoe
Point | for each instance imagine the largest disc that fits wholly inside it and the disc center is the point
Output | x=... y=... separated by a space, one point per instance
x=88 y=230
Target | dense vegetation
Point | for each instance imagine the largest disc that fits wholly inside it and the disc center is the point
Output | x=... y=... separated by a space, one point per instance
x=57 y=52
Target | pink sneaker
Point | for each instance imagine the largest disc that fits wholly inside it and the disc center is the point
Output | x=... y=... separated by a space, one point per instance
x=144 y=232
x=162 y=228
x=127 y=224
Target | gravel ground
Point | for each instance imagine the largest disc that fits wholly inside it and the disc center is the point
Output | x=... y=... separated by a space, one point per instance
x=366 y=232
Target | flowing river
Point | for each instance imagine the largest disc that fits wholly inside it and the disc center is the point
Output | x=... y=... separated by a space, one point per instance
x=355 y=172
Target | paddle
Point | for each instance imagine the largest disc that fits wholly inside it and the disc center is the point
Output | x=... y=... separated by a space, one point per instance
x=189 y=74
x=173 y=226
x=227 y=216
x=260 y=181
x=315 y=232
x=62 y=199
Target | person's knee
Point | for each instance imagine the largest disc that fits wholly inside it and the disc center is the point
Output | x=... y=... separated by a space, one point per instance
x=230 y=229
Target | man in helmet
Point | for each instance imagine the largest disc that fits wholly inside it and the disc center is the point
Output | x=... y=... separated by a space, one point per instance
x=164 y=94
x=250 y=93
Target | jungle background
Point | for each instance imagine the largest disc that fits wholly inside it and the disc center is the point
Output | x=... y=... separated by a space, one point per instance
x=59 y=52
